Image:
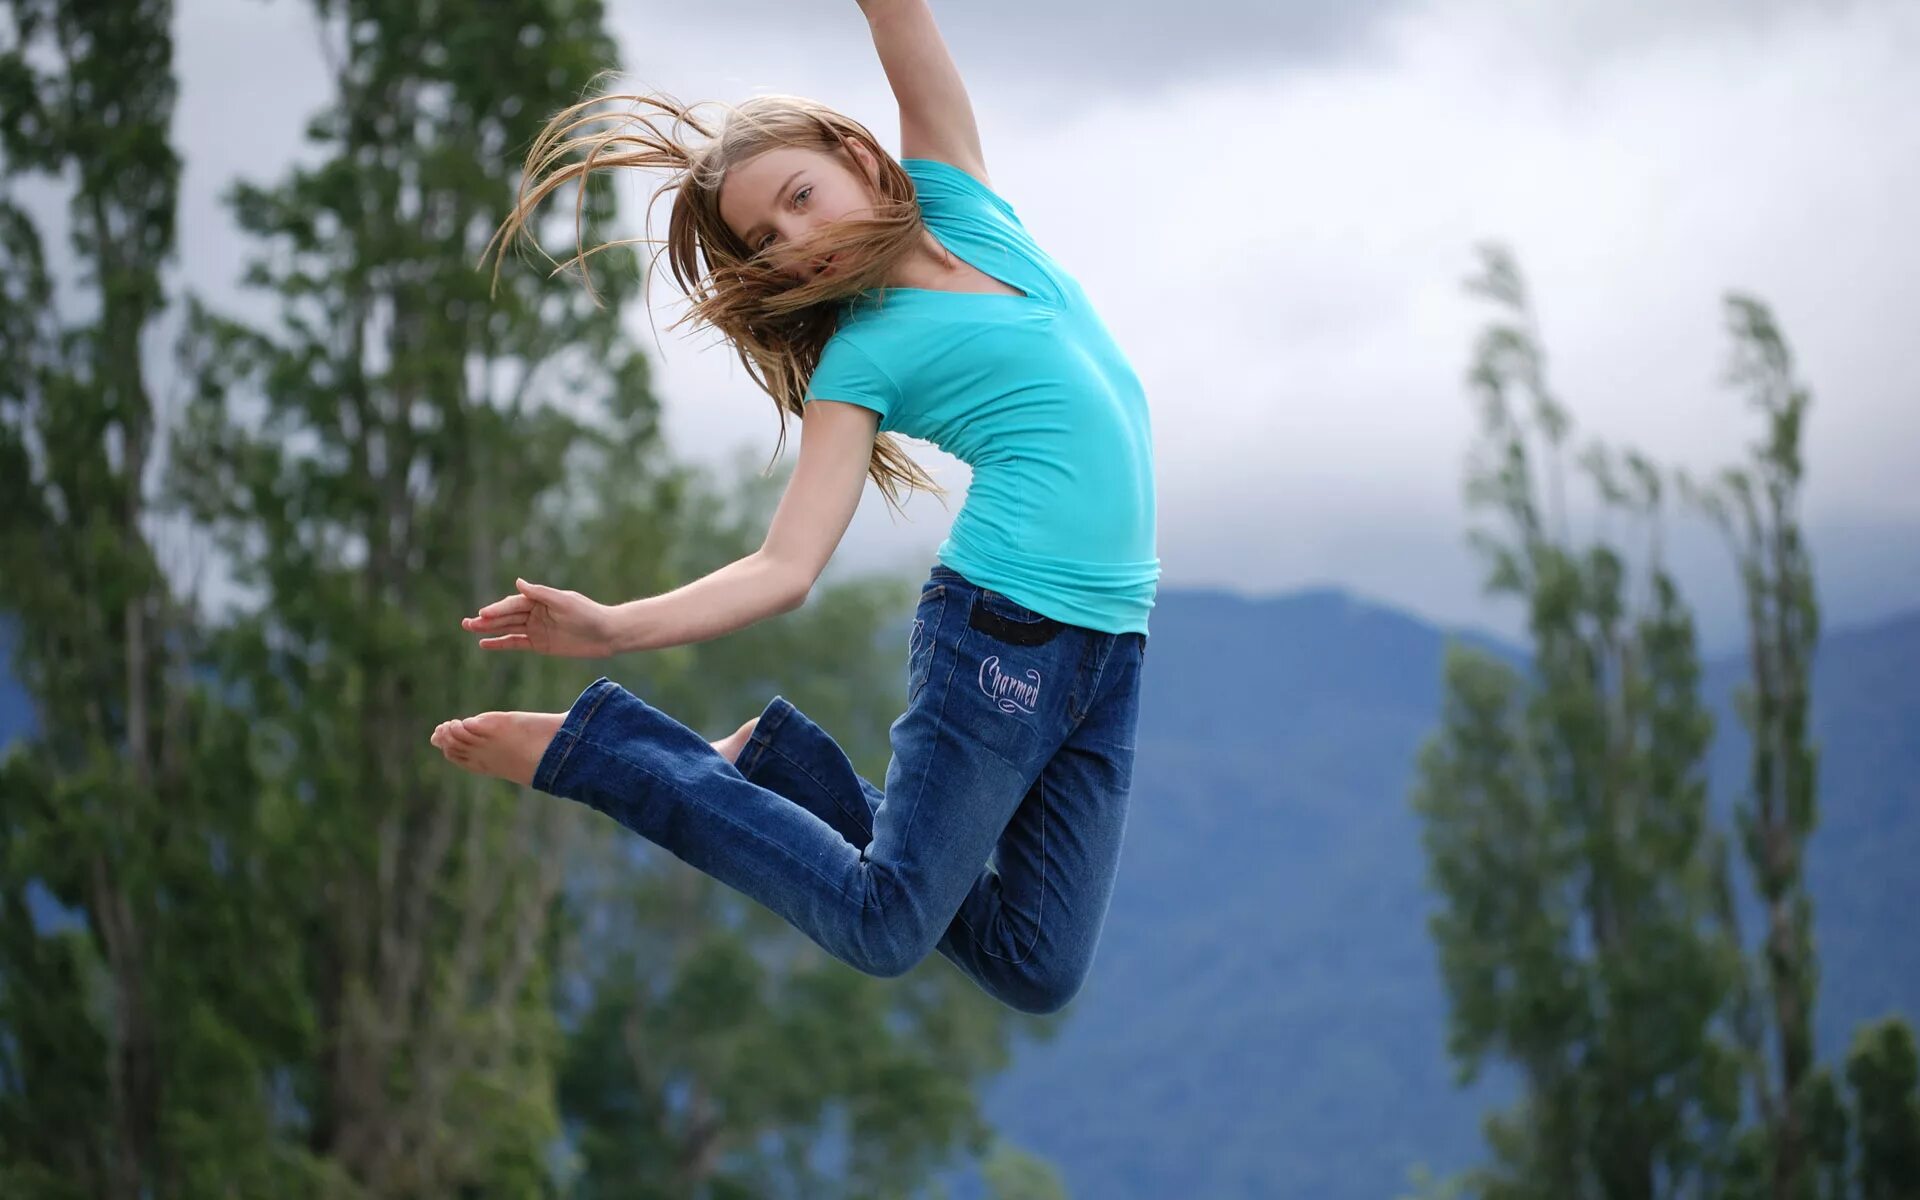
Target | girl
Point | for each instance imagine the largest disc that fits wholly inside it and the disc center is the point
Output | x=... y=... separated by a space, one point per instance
x=873 y=297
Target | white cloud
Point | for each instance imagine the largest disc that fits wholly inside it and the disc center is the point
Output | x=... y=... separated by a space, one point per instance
x=1280 y=254
x=1279 y=249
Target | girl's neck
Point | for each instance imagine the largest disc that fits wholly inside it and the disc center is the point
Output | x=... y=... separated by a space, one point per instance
x=930 y=267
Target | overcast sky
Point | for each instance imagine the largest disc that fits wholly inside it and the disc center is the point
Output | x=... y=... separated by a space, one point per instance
x=1272 y=204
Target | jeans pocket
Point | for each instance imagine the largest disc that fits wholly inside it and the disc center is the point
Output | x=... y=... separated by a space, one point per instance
x=922 y=638
x=1009 y=621
x=1004 y=606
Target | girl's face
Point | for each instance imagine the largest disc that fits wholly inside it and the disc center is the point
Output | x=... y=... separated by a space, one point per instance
x=788 y=192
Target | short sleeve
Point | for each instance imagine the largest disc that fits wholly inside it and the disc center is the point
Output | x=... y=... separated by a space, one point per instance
x=977 y=222
x=846 y=372
x=952 y=191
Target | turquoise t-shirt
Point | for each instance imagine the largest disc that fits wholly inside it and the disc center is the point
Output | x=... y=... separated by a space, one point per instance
x=1030 y=392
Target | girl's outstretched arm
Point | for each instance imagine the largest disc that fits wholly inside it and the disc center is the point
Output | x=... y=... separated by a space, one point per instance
x=936 y=117
x=836 y=446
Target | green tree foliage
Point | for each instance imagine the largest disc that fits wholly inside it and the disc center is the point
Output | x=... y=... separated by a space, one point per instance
x=1756 y=505
x=1013 y=1174
x=1885 y=1075
x=1565 y=822
x=1589 y=933
x=1428 y=1186
x=710 y=1048
x=136 y=1033
x=306 y=956
x=379 y=460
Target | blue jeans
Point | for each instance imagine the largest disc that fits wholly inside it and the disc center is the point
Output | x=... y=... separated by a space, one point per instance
x=995 y=840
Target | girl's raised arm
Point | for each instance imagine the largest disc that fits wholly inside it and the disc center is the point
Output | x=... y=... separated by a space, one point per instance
x=936 y=117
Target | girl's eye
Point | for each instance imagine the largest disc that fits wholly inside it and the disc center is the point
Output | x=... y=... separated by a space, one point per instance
x=767 y=240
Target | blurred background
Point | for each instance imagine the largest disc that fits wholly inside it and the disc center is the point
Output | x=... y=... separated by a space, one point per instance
x=1526 y=798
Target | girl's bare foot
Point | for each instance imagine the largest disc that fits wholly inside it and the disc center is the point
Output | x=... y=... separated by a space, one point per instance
x=507 y=744
x=729 y=747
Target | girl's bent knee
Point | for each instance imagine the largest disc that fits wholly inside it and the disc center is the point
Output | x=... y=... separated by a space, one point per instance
x=891 y=964
x=1047 y=992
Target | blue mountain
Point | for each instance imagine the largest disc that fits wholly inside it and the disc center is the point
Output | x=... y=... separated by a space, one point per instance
x=1265 y=1016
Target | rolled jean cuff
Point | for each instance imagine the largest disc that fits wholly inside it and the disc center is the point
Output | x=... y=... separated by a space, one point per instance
x=571 y=732
x=772 y=717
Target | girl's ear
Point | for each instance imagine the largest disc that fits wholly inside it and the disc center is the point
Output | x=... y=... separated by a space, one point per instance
x=863 y=158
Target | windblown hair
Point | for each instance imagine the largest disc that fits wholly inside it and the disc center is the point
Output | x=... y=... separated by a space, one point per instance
x=778 y=326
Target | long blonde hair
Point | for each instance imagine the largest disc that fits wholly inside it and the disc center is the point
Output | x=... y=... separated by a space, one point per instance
x=778 y=327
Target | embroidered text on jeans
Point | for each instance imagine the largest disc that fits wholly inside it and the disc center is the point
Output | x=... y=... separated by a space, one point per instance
x=1008 y=693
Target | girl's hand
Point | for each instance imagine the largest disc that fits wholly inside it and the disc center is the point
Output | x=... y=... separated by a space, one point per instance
x=547 y=621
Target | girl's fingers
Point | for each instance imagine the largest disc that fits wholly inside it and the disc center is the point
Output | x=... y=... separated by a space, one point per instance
x=513 y=641
x=515 y=621
x=511 y=604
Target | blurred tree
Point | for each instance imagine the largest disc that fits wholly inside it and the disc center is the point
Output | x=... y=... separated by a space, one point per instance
x=1567 y=806
x=1428 y=1186
x=1757 y=507
x=380 y=464
x=1014 y=1174
x=711 y=1049
x=256 y=936
x=1799 y=1150
x=1565 y=824
x=1884 y=1075
x=374 y=466
x=143 y=987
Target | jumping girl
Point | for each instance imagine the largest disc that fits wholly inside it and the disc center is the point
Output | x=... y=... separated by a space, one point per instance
x=871 y=297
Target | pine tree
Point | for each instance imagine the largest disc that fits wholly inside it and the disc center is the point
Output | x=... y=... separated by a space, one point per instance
x=1756 y=506
x=420 y=440
x=1565 y=821
x=292 y=951
x=379 y=461
x=134 y=1000
x=1884 y=1073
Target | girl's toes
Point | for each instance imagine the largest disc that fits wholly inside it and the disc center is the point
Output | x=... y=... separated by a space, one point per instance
x=485 y=725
